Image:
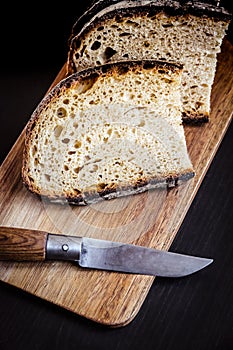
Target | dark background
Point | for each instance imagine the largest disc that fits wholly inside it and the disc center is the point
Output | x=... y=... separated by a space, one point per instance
x=192 y=313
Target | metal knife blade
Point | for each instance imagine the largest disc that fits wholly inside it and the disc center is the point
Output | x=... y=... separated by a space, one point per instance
x=23 y=244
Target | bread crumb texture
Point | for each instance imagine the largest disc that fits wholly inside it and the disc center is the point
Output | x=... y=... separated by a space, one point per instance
x=106 y=132
x=191 y=40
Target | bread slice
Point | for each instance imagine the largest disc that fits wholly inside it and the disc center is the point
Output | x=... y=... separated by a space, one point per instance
x=187 y=32
x=106 y=132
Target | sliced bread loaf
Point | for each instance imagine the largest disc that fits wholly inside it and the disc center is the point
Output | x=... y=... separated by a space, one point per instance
x=187 y=32
x=106 y=132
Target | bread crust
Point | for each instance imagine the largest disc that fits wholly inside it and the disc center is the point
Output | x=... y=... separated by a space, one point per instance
x=103 y=11
x=172 y=8
x=111 y=192
x=91 y=73
x=198 y=8
x=94 y=73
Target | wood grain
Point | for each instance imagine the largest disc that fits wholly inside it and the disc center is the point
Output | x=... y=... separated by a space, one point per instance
x=22 y=244
x=151 y=219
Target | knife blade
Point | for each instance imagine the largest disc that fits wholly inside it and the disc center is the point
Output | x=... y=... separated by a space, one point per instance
x=19 y=244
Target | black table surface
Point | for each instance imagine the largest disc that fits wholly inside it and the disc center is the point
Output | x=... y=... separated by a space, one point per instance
x=195 y=312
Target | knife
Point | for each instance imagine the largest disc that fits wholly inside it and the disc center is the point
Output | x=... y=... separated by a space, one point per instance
x=19 y=244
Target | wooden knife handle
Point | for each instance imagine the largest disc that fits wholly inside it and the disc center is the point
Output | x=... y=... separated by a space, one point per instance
x=21 y=244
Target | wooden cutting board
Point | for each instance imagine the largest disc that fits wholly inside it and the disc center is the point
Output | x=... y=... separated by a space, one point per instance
x=151 y=219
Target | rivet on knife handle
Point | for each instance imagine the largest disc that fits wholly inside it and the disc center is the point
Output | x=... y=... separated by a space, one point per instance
x=22 y=244
x=62 y=247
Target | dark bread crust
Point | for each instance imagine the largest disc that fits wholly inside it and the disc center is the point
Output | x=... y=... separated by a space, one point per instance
x=117 y=68
x=193 y=119
x=172 y=8
x=111 y=192
x=180 y=7
x=94 y=73
x=139 y=186
x=108 y=191
x=118 y=15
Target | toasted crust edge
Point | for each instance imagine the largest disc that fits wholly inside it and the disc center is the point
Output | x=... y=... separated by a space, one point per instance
x=78 y=32
x=109 y=192
x=175 y=7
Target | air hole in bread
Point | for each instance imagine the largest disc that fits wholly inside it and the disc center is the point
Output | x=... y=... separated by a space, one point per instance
x=146 y=44
x=65 y=140
x=96 y=45
x=94 y=168
x=83 y=50
x=86 y=85
x=132 y=23
x=108 y=53
x=78 y=144
x=124 y=34
x=61 y=112
x=34 y=150
x=47 y=177
x=77 y=170
x=167 y=25
x=198 y=104
x=100 y=28
x=57 y=130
